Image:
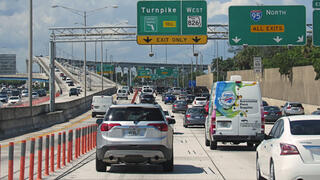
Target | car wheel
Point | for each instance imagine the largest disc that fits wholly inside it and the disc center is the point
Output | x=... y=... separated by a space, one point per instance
x=168 y=165
x=93 y=115
x=165 y=102
x=126 y=98
x=100 y=165
x=272 y=174
x=117 y=98
x=186 y=126
x=258 y=172
x=207 y=142
x=213 y=145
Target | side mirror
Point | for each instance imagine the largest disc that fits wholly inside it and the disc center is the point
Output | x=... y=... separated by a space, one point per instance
x=99 y=121
x=171 y=121
x=266 y=137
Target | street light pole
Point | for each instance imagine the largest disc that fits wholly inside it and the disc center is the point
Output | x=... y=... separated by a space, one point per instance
x=85 y=55
x=30 y=57
x=101 y=69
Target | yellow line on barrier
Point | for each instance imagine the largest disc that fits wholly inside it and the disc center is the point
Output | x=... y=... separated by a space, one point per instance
x=48 y=133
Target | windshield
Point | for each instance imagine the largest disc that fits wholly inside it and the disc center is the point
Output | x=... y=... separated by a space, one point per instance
x=196 y=111
x=134 y=114
x=14 y=98
x=305 y=127
x=271 y=108
x=201 y=99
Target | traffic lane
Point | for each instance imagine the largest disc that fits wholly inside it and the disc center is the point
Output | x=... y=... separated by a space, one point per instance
x=231 y=160
x=190 y=158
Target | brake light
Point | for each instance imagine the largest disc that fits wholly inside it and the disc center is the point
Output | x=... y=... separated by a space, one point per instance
x=238 y=82
x=279 y=113
x=213 y=125
x=160 y=126
x=107 y=127
x=188 y=116
x=262 y=122
x=288 y=149
x=266 y=113
x=174 y=105
x=289 y=107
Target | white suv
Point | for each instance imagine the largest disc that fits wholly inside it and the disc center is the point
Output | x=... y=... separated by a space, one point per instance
x=134 y=134
x=122 y=93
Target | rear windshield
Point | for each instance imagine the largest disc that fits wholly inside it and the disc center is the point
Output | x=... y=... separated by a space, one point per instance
x=176 y=88
x=306 y=127
x=180 y=102
x=201 y=99
x=296 y=105
x=147 y=90
x=122 y=91
x=196 y=111
x=271 y=108
x=102 y=100
x=147 y=96
x=134 y=114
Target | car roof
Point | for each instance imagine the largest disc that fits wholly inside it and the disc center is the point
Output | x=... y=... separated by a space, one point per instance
x=294 y=102
x=304 y=117
x=135 y=105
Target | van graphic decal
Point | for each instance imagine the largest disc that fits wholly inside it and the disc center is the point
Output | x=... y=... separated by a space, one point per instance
x=227 y=103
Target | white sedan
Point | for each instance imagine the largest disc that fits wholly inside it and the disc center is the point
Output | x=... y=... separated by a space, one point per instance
x=291 y=150
x=14 y=100
x=199 y=101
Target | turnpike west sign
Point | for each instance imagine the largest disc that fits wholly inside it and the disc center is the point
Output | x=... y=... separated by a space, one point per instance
x=267 y=25
x=172 y=22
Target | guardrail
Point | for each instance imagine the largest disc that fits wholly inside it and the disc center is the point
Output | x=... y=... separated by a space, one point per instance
x=59 y=151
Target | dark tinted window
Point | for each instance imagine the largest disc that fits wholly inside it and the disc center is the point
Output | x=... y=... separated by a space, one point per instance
x=196 y=111
x=271 y=108
x=180 y=102
x=307 y=127
x=147 y=96
x=264 y=103
x=134 y=114
x=296 y=105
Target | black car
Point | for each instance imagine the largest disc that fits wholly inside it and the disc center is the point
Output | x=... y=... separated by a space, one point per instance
x=73 y=91
x=42 y=92
x=70 y=83
x=272 y=113
x=147 y=98
x=190 y=98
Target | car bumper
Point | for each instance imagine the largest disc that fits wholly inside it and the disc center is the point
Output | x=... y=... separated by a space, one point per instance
x=134 y=153
x=195 y=121
x=179 y=109
x=257 y=138
x=291 y=167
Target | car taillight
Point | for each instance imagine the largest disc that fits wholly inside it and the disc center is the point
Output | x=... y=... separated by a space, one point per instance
x=302 y=107
x=288 y=149
x=279 y=113
x=188 y=116
x=107 y=127
x=213 y=125
x=289 y=107
x=174 y=105
x=262 y=124
x=160 y=126
x=91 y=106
x=266 y=113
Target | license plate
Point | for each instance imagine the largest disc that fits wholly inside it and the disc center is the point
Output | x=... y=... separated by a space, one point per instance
x=224 y=124
x=132 y=132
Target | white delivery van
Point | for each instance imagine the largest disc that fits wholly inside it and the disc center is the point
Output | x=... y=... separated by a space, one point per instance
x=100 y=104
x=235 y=114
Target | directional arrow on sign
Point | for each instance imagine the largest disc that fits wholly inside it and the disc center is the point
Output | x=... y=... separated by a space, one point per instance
x=277 y=39
x=300 y=39
x=196 y=39
x=147 y=40
x=236 y=40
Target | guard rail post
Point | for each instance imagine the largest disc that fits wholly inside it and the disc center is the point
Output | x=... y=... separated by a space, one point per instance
x=64 y=149
x=31 y=168
x=59 y=151
x=46 y=165
x=10 y=164
x=52 y=154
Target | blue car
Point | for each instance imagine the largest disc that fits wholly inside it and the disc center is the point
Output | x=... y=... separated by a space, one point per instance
x=169 y=98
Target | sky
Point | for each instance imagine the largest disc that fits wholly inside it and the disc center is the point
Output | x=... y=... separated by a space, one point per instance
x=14 y=29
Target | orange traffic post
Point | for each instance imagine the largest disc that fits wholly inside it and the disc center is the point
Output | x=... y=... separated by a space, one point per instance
x=22 y=159
x=82 y=141
x=59 y=151
x=52 y=154
x=71 y=145
x=64 y=148
x=46 y=165
x=32 y=149
x=39 y=158
x=10 y=164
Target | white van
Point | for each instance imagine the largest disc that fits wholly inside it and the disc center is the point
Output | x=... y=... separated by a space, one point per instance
x=100 y=104
x=235 y=114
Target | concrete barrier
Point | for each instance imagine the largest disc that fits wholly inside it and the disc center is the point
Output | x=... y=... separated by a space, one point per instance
x=17 y=121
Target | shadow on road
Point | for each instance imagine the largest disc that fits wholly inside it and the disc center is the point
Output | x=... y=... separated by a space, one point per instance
x=235 y=148
x=154 y=169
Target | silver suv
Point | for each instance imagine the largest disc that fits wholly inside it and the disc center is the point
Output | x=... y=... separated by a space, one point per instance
x=292 y=108
x=134 y=134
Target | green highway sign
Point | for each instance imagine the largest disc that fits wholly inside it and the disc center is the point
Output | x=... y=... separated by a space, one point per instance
x=316 y=4
x=316 y=28
x=107 y=69
x=172 y=18
x=144 y=73
x=267 y=25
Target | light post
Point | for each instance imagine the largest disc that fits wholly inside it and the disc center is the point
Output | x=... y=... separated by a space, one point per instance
x=84 y=14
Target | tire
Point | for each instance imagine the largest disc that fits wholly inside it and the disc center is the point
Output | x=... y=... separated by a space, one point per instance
x=258 y=172
x=186 y=126
x=272 y=174
x=93 y=115
x=126 y=98
x=213 y=145
x=168 y=165
x=117 y=98
x=100 y=165
x=207 y=142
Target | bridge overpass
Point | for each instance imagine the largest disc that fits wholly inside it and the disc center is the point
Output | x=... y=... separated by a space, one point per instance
x=41 y=77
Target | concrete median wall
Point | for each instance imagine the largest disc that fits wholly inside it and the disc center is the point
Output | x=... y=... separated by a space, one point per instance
x=17 y=121
x=303 y=87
